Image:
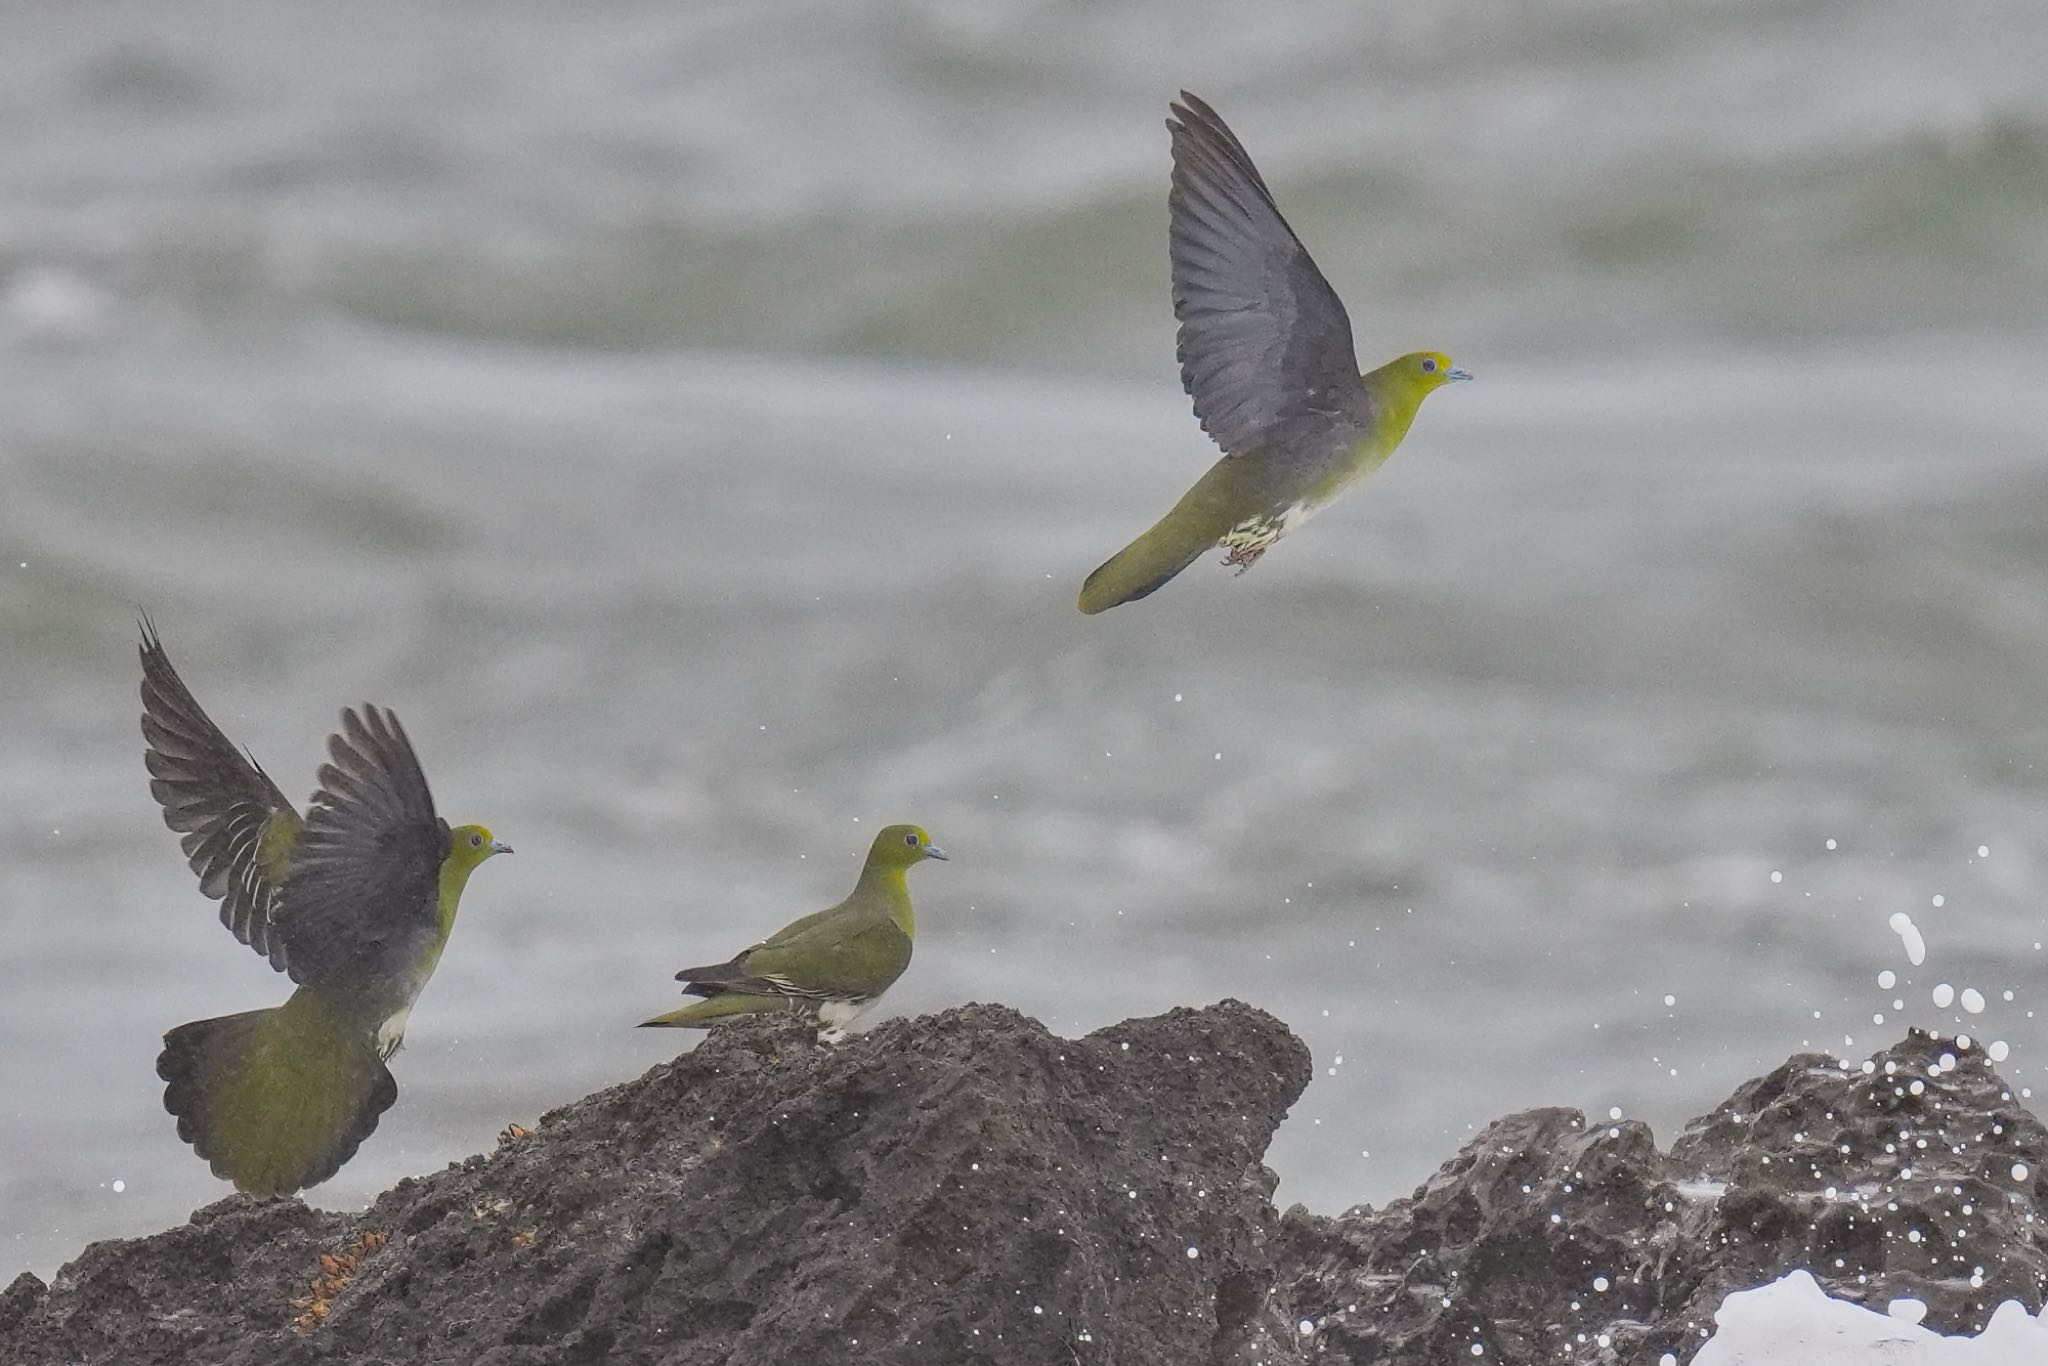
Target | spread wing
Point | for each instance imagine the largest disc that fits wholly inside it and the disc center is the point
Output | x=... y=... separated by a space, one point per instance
x=364 y=891
x=848 y=959
x=237 y=829
x=1265 y=345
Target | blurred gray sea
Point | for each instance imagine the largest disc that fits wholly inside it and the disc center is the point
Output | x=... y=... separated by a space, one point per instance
x=696 y=421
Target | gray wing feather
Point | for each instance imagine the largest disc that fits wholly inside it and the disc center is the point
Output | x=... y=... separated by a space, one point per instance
x=1265 y=345
x=217 y=799
x=721 y=979
x=740 y=975
x=365 y=886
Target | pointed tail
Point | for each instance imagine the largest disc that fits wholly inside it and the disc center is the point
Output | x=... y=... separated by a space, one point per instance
x=1138 y=569
x=275 y=1100
x=1198 y=521
x=699 y=1014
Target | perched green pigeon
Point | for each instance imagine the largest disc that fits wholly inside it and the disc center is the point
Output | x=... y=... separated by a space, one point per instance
x=830 y=965
x=1265 y=353
x=355 y=901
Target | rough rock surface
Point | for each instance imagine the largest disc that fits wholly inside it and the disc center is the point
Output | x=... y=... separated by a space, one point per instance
x=1549 y=1239
x=957 y=1188
x=966 y=1188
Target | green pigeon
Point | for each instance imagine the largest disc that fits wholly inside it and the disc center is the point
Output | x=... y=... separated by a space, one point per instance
x=1265 y=353
x=355 y=901
x=830 y=965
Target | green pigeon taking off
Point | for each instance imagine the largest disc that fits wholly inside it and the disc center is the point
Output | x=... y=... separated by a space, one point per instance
x=830 y=965
x=355 y=901
x=1265 y=353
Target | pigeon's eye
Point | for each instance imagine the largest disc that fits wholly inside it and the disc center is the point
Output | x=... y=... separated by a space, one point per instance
x=476 y=841
x=1428 y=366
x=911 y=839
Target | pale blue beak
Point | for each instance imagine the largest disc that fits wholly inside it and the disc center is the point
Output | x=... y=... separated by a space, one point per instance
x=1450 y=375
x=500 y=847
x=933 y=851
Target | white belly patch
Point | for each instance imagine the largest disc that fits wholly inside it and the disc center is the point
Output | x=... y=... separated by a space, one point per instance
x=391 y=1033
x=1254 y=536
x=835 y=1016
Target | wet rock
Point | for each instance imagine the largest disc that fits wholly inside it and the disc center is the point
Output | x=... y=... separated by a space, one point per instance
x=1552 y=1239
x=956 y=1188
x=967 y=1188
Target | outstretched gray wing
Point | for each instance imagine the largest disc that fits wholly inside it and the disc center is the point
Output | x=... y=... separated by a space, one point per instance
x=1265 y=345
x=365 y=884
x=237 y=829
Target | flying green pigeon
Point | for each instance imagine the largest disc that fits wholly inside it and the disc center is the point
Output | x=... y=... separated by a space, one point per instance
x=830 y=965
x=1265 y=353
x=355 y=902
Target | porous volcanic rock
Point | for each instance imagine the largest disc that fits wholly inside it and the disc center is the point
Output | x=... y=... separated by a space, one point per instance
x=956 y=1188
x=1551 y=1239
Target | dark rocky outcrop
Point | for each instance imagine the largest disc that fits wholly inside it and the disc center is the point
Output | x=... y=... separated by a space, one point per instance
x=1551 y=1239
x=966 y=1188
x=958 y=1188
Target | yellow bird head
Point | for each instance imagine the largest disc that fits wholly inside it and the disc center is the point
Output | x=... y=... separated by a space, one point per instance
x=903 y=845
x=1425 y=371
x=469 y=845
x=1402 y=384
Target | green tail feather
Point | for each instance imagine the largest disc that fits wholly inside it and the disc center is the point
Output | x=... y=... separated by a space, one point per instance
x=275 y=1100
x=1204 y=515
x=1138 y=570
x=699 y=1014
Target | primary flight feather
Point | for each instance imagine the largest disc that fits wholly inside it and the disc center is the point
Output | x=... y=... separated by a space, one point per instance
x=1265 y=354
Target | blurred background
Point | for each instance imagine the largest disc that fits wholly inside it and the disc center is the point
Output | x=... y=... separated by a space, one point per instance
x=696 y=422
